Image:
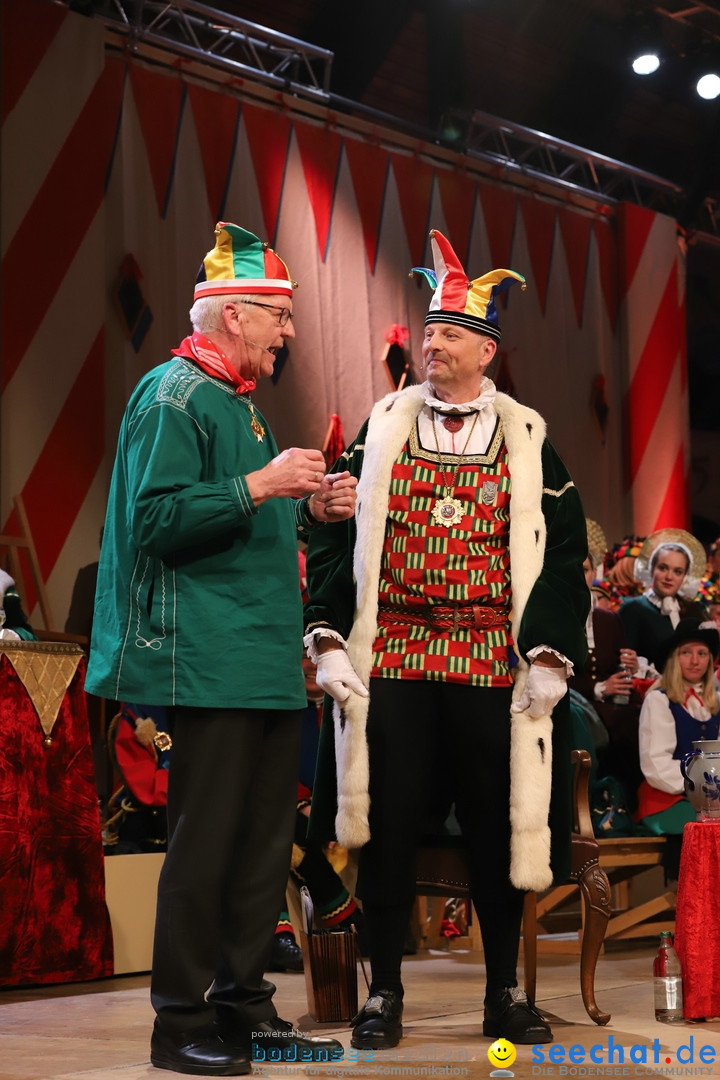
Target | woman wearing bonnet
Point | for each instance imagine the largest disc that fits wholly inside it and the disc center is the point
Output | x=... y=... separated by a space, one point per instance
x=607 y=677
x=670 y=565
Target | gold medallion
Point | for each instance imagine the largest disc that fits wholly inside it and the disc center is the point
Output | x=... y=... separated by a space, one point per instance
x=258 y=429
x=448 y=511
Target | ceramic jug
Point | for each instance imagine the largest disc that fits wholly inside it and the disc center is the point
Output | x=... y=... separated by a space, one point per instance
x=701 y=769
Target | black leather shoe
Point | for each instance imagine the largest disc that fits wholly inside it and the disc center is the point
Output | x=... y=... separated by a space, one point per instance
x=285 y=955
x=280 y=1035
x=378 y=1025
x=509 y=1014
x=202 y=1052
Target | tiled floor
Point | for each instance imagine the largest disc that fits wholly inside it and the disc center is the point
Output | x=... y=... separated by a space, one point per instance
x=100 y=1031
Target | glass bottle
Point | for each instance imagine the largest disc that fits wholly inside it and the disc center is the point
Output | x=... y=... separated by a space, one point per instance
x=622 y=698
x=667 y=980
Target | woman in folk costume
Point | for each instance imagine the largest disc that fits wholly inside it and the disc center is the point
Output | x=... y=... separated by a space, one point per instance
x=680 y=707
x=445 y=619
x=670 y=564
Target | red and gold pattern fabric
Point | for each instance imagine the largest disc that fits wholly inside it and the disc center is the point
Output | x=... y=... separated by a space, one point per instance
x=426 y=564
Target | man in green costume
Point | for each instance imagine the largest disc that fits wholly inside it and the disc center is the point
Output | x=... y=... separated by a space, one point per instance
x=198 y=609
x=445 y=618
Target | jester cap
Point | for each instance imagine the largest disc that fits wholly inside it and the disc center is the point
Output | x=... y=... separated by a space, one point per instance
x=457 y=299
x=241 y=263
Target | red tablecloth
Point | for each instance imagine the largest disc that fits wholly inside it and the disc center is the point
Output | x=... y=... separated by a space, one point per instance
x=697 y=919
x=54 y=923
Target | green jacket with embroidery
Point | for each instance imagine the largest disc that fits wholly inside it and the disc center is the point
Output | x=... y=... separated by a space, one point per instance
x=198 y=597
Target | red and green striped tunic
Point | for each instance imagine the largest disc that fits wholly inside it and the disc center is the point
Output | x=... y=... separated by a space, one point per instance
x=425 y=563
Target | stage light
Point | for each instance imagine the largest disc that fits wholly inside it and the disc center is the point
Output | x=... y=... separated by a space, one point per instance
x=708 y=86
x=646 y=63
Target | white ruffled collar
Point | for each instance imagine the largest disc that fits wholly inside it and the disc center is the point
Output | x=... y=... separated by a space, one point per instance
x=485 y=397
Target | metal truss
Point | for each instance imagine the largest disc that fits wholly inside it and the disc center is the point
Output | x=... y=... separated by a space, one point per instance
x=214 y=37
x=700 y=15
x=536 y=155
x=247 y=50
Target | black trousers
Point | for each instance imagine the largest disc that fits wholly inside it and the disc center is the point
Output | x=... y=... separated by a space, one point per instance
x=231 y=805
x=433 y=744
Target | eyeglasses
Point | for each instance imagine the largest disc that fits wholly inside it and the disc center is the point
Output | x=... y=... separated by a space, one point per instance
x=283 y=313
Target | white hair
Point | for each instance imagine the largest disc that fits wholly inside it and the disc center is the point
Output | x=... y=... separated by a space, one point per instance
x=206 y=313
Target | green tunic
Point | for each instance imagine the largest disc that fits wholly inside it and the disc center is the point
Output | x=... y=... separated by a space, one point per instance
x=198 y=597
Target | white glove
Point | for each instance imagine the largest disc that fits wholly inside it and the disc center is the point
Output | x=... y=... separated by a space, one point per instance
x=543 y=689
x=336 y=675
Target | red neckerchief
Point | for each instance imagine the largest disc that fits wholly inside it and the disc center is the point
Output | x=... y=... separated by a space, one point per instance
x=692 y=693
x=208 y=357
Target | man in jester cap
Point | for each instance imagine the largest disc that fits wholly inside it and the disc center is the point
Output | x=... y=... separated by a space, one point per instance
x=445 y=618
x=198 y=609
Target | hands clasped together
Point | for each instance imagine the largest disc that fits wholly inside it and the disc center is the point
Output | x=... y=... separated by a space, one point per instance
x=296 y=472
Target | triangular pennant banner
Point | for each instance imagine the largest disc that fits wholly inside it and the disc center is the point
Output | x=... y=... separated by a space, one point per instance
x=27 y=27
x=268 y=133
x=607 y=266
x=540 y=229
x=575 y=231
x=216 y=122
x=158 y=99
x=499 y=209
x=414 y=181
x=320 y=154
x=45 y=672
x=368 y=166
x=457 y=195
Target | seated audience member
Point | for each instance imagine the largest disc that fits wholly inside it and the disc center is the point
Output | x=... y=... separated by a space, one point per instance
x=620 y=573
x=670 y=564
x=713 y=563
x=709 y=595
x=602 y=594
x=14 y=624
x=606 y=676
x=681 y=707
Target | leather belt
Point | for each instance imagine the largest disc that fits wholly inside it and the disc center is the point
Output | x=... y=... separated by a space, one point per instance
x=444 y=616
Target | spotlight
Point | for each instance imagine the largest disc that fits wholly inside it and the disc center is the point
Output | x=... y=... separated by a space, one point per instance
x=708 y=86
x=646 y=63
x=647 y=45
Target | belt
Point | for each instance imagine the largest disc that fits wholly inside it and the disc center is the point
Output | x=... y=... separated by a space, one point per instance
x=444 y=616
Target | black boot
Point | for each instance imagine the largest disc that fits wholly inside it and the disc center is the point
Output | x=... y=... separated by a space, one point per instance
x=285 y=955
x=509 y=1014
x=378 y=1025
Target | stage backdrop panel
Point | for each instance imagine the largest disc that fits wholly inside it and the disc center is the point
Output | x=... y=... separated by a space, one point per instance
x=106 y=219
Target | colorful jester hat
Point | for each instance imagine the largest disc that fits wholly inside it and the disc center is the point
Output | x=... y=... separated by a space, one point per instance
x=241 y=263
x=457 y=299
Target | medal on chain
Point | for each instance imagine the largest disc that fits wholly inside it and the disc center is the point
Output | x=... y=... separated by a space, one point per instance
x=258 y=429
x=450 y=511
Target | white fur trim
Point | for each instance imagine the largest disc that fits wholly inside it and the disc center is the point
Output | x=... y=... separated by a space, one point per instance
x=531 y=785
x=351 y=822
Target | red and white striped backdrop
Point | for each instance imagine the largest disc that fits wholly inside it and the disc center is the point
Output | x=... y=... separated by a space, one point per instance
x=105 y=156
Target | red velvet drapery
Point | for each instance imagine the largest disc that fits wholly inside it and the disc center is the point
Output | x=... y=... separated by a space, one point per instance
x=54 y=923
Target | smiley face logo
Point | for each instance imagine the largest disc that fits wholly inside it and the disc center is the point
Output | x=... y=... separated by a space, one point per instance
x=501 y=1054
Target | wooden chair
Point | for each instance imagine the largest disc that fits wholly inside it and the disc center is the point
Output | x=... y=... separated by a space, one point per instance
x=442 y=870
